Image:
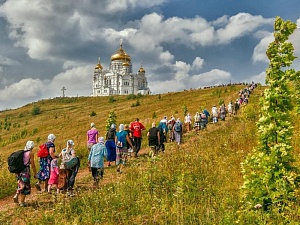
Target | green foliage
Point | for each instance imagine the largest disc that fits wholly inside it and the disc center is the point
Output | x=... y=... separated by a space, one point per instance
x=154 y=115
x=131 y=96
x=136 y=104
x=221 y=101
x=270 y=179
x=38 y=139
x=111 y=99
x=35 y=110
x=93 y=113
x=185 y=109
x=217 y=92
x=34 y=131
x=112 y=119
x=21 y=115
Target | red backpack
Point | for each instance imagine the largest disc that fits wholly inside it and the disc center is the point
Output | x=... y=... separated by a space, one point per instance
x=43 y=151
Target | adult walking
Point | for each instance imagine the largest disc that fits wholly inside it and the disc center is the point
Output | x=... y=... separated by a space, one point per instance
x=136 y=127
x=154 y=138
x=44 y=174
x=178 y=131
x=121 y=140
x=96 y=160
x=23 y=178
x=188 y=122
x=110 y=144
x=92 y=136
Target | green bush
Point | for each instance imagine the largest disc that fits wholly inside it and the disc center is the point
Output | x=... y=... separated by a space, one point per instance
x=35 y=110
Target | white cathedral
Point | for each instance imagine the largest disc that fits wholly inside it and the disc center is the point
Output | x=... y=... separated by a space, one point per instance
x=119 y=79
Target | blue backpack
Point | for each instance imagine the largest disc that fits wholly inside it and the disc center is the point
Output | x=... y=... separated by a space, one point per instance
x=177 y=127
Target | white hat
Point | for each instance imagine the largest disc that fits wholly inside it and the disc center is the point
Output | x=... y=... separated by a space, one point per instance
x=70 y=142
x=51 y=137
x=29 y=145
x=101 y=140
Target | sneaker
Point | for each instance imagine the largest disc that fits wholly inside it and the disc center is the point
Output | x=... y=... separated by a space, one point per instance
x=38 y=187
x=15 y=198
x=23 y=204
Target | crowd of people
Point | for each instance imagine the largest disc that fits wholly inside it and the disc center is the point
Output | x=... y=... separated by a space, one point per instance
x=116 y=146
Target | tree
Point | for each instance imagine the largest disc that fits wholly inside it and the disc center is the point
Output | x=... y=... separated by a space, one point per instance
x=112 y=118
x=270 y=179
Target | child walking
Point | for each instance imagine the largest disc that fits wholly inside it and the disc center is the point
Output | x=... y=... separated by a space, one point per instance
x=53 y=180
x=96 y=160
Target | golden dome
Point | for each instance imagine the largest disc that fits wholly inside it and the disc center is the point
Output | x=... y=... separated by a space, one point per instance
x=120 y=54
x=125 y=63
x=141 y=70
x=98 y=66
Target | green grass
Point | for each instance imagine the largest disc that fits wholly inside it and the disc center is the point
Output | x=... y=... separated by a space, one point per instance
x=198 y=183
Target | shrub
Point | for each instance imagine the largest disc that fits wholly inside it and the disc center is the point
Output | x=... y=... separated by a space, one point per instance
x=35 y=110
x=111 y=99
x=93 y=113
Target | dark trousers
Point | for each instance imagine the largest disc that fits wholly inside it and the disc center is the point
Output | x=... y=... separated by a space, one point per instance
x=71 y=180
x=97 y=173
x=138 y=142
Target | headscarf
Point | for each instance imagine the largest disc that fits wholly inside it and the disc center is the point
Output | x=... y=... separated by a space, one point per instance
x=70 y=143
x=92 y=125
x=121 y=127
x=29 y=145
x=51 y=137
x=101 y=140
x=113 y=126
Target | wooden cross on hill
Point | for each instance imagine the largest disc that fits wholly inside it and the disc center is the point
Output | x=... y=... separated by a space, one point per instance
x=63 y=90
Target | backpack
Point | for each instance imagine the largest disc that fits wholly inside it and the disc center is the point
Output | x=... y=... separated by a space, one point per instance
x=43 y=151
x=71 y=163
x=177 y=127
x=16 y=162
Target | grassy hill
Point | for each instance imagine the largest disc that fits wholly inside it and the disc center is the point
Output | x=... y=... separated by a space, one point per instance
x=199 y=183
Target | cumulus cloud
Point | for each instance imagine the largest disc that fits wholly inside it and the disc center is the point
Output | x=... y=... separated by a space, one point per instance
x=77 y=81
x=240 y=25
x=198 y=63
x=70 y=34
x=258 y=78
x=24 y=89
x=259 y=52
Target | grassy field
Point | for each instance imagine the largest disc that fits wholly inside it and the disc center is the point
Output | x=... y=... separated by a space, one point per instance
x=198 y=183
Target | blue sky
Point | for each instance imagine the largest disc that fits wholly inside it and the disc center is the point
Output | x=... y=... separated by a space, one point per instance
x=182 y=44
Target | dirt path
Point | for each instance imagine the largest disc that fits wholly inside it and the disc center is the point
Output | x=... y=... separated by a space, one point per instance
x=84 y=181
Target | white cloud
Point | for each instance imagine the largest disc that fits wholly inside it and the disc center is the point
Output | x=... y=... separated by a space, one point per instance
x=259 y=52
x=212 y=77
x=240 y=25
x=166 y=56
x=259 y=78
x=77 y=81
x=198 y=63
x=24 y=89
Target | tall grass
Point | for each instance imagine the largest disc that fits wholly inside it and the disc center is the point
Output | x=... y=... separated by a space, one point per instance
x=198 y=183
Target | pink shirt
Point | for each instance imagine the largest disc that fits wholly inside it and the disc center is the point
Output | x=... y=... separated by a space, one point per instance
x=92 y=136
x=26 y=158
